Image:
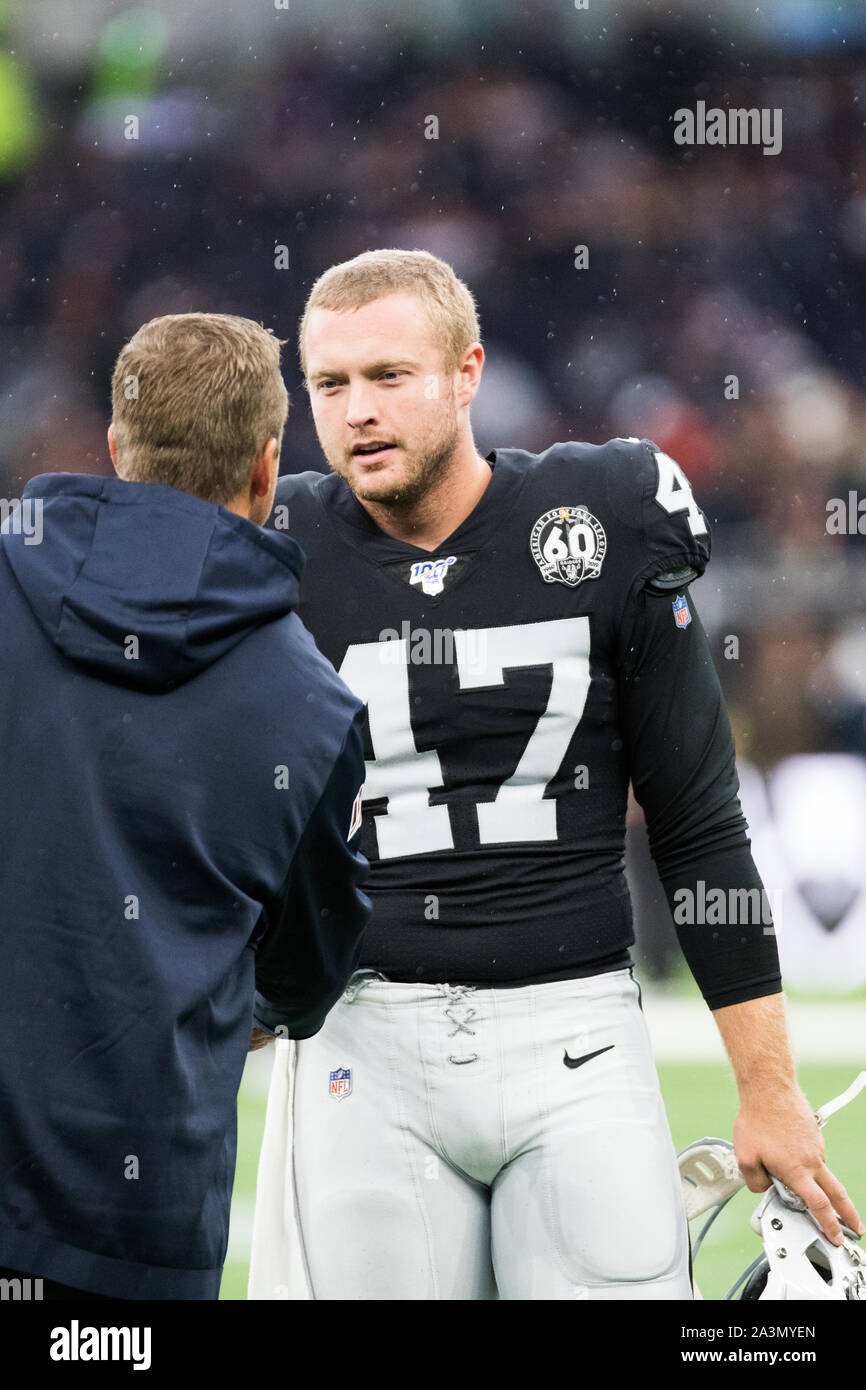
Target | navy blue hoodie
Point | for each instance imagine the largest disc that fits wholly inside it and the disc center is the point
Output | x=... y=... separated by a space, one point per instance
x=178 y=766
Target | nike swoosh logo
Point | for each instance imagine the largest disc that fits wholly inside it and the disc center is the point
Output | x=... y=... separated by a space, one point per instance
x=587 y=1057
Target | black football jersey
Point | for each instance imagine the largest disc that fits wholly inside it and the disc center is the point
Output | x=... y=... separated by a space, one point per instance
x=516 y=679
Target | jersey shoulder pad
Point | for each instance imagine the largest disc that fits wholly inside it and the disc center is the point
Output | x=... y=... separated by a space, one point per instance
x=649 y=491
x=295 y=495
x=298 y=484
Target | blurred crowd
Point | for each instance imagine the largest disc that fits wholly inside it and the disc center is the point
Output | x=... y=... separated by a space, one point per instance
x=720 y=309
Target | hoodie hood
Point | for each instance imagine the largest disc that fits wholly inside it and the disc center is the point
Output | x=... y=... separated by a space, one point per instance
x=142 y=584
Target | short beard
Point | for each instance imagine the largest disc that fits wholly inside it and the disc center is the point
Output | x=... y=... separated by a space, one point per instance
x=424 y=471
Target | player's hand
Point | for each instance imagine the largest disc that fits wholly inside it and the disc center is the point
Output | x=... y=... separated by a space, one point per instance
x=776 y=1135
x=259 y=1039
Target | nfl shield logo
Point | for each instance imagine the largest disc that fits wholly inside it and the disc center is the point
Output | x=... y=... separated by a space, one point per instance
x=681 y=611
x=431 y=574
x=340 y=1083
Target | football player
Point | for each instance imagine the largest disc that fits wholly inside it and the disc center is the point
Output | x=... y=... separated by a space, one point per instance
x=480 y=1115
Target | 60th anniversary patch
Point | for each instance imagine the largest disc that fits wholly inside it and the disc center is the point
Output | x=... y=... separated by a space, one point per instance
x=568 y=544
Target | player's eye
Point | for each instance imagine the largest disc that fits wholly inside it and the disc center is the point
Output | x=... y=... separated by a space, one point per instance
x=392 y=374
x=325 y=385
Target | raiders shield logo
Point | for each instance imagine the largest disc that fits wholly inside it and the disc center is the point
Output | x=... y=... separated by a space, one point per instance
x=568 y=545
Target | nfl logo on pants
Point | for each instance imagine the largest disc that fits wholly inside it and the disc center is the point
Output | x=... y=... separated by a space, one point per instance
x=340 y=1083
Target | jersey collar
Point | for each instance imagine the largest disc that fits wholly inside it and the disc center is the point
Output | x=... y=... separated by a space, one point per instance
x=509 y=468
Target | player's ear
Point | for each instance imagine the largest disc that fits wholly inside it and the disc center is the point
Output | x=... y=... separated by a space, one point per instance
x=471 y=366
x=112 y=446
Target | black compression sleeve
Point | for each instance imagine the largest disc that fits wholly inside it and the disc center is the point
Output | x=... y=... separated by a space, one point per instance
x=682 y=768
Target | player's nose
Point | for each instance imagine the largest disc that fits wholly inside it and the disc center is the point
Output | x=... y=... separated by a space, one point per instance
x=360 y=407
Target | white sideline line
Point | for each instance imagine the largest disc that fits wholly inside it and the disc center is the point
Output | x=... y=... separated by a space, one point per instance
x=257 y=1072
x=240 y=1229
x=683 y=1030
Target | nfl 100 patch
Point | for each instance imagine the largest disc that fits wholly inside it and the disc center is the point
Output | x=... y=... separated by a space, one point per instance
x=340 y=1083
x=568 y=544
x=682 y=615
x=431 y=574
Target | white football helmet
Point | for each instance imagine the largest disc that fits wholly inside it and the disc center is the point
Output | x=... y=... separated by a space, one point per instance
x=798 y=1261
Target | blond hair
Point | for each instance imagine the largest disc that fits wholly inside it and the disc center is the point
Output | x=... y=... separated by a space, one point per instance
x=195 y=398
x=448 y=303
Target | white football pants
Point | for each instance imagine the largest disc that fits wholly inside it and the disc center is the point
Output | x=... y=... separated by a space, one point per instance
x=478 y=1149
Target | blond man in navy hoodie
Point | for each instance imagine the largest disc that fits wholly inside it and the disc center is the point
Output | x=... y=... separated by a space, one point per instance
x=178 y=815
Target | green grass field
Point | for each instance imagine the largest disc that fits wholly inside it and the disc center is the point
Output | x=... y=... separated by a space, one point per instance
x=701 y=1100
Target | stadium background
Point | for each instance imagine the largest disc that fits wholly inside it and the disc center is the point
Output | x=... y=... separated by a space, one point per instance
x=274 y=141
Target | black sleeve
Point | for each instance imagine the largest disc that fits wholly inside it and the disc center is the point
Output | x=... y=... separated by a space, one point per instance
x=681 y=756
x=312 y=942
